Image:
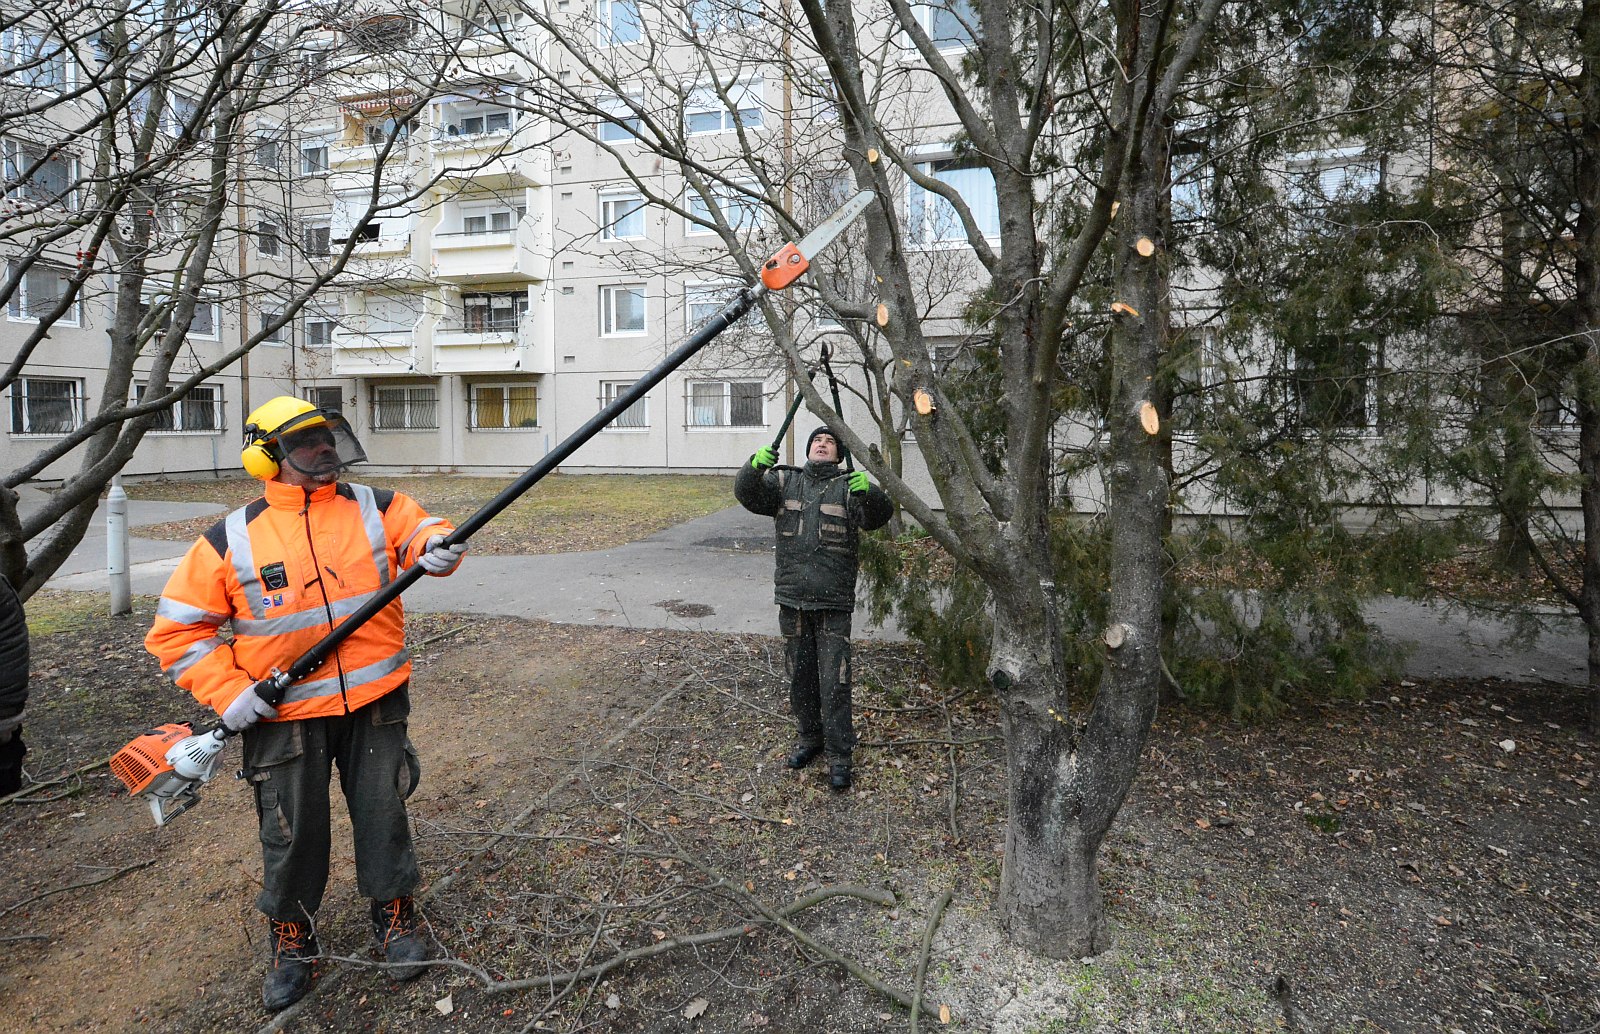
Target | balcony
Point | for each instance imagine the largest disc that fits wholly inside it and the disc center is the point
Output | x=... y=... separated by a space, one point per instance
x=489 y=161
x=489 y=256
x=491 y=346
x=377 y=349
x=386 y=260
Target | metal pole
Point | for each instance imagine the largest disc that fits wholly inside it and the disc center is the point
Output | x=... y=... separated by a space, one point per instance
x=117 y=549
x=273 y=688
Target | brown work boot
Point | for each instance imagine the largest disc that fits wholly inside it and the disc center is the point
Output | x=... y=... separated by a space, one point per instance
x=294 y=966
x=399 y=935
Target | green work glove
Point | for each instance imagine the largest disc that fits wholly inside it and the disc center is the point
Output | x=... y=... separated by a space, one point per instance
x=858 y=481
x=764 y=458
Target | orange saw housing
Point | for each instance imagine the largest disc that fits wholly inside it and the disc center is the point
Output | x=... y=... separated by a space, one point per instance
x=140 y=762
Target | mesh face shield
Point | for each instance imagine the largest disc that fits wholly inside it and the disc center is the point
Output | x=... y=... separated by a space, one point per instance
x=320 y=444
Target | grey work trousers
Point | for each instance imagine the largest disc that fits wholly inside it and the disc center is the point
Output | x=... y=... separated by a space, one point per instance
x=817 y=657
x=290 y=764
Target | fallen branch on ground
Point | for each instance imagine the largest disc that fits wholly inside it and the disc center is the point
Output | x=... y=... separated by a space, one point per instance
x=78 y=886
x=922 y=959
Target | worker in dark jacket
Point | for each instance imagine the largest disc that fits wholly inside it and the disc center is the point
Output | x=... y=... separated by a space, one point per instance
x=819 y=511
x=13 y=687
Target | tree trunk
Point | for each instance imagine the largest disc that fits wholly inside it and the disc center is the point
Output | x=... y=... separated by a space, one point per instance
x=1050 y=900
x=1588 y=324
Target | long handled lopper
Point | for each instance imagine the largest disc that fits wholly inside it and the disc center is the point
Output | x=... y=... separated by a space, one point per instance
x=169 y=764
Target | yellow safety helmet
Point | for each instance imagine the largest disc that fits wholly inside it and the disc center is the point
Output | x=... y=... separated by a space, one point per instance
x=269 y=423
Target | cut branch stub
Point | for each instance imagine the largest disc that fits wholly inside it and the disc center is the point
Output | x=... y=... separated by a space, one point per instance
x=1123 y=308
x=923 y=401
x=1116 y=635
x=1149 y=419
x=883 y=315
x=1145 y=247
x=872 y=156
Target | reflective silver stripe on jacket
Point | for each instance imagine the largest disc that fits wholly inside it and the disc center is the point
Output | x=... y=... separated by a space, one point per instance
x=372 y=520
x=353 y=679
x=315 y=617
x=184 y=614
x=192 y=656
x=430 y=522
x=244 y=561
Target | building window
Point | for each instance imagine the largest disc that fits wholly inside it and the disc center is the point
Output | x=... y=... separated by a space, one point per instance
x=405 y=409
x=739 y=209
x=32 y=176
x=619 y=22
x=619 y=123
x=621 y=216
x=481 y=121
x=493 y=313
x=933 y=220
x=268 y=152
x=182 y=112
x=635 y=417
x=950 y=24
x=378 y=131
x=490 y=220
x=203 y=323
x=326 y=397
x=268 y=230
x=314 y=156
x=622 y=310
x=821 y=93
x=40 y=291
x=200 y=410
x=318 y=330
x=726 y=404
x=278 y=335
x=493 y=24
x=316 y=236
x=705 y=112
x=703 y=301
x=41 y=405
x=31 y=57
x=1335 y=385
x=710 y=16
x=503 y=407
x=1333 y=176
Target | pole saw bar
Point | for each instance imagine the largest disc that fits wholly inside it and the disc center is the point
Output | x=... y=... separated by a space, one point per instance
x=777 y=273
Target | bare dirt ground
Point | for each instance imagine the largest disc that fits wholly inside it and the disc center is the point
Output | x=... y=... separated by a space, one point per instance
x=1424 y=861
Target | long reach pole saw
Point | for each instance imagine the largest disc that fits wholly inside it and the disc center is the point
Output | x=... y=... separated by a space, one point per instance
x=168 y=765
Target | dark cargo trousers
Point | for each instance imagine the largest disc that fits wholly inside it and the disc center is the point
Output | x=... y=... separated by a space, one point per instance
x=290 y=765
x=817 y=657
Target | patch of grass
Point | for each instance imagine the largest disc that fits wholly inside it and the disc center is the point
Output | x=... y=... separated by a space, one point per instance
x=52 y=611
x=564 y=513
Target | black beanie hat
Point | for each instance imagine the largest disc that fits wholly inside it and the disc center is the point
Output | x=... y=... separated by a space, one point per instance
x=824 y=429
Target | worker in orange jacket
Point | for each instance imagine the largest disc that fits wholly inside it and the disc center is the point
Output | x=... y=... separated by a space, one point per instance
x=283 y=571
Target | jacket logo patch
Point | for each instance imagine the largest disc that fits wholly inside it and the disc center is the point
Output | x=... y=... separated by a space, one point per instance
x=275 y=576
x=272 y=601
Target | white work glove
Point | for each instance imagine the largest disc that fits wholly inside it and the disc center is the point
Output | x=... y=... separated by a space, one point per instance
x=441 y=559
x=246 y=710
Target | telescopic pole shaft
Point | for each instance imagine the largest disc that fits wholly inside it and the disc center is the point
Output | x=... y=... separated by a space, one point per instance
x=272 y=689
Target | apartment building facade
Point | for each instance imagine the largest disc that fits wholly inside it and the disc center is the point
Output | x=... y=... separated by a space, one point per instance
x=507 y=274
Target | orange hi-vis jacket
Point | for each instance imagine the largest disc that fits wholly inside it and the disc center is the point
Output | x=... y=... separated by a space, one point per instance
x=283 y=571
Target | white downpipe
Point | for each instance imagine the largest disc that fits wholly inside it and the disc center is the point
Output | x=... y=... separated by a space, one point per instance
x=117 y=549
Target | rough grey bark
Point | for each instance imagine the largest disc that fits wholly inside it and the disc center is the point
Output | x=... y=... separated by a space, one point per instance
x=1588 y=323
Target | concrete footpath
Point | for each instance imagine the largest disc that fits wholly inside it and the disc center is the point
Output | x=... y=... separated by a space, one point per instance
x=715 y=574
